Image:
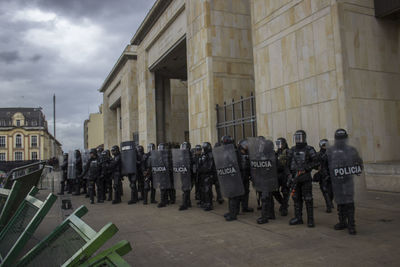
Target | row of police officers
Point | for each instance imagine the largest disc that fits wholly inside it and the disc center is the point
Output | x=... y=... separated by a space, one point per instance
x=229 y=167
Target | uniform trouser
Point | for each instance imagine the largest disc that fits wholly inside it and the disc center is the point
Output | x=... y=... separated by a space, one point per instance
x=244 y=200
x=326 y=188
x=197 y=187
x=108 y=187
x=132 y=184
x=303 y=192
x=140 y=181
x=283 y=196
x=207 y=181
x=234 y=206
x=117 y=187
x=70 y=185
x=62 y=185
x=346 y=213
x=164 y=196
x=148 y=186
x=100 y=189
x=217 y=188
x=91 y=188
x=186 y=198
x=267 y=205
x=84 y=185
x=77 y=186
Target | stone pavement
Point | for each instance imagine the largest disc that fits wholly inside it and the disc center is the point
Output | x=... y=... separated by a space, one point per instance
x=168 y=237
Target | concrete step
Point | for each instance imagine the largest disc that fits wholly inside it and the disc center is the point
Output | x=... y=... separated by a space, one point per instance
x=384 y=176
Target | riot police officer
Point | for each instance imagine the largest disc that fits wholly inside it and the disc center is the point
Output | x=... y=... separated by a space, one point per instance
x=64 y=168
x=93 y=168
x=244 y=164
x=344 y=163
x=139 y=174
x=182 y=163
x=207 y=172
x=302 y=159
x=323 y=177
x=196 y=154
x=106 y=174
x=162 y=172
x=283 y=196
x=147 y=175
x=115 y=165
x=78 y=167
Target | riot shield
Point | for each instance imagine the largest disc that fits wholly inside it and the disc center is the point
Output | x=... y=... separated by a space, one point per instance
x=128 y=157
x=85 y=157
x=160 y=168
x=344 y=162
x=228 y=171
x=181 y=168
x=71 y=172
x=263 y=164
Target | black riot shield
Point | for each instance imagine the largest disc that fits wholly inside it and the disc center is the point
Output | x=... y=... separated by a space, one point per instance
x=263 y=164
x=128 y=157
x=181 y=167
x=228 y=171
x=71 y=172
x=344 y=162
x=85 y=157
x=160 y=167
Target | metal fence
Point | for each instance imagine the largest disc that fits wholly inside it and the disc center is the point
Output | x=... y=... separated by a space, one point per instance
x=237 y=119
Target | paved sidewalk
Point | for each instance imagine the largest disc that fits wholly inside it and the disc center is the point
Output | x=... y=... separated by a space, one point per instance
x=168 y=237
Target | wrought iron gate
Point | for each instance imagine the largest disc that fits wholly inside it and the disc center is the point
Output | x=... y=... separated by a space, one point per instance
x=237 y=119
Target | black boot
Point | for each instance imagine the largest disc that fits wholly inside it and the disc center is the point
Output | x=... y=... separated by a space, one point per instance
x=350 y=211
x=298 y=210
x=310 y=213
x=245 y=204
x=231 y=216
x=271 y=208
x=283 y=209
x=145 y=196
x=342 y=224
x=328 y=202
x=77 y=190
x=163 y=199
x=172 y=196
x=134 y=196
x=184 y=205
x=264 y=212
x=220 y=199
x=153 y=196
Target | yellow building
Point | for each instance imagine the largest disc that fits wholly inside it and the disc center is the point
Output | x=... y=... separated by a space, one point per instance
x=24 y=135
x=94 y=130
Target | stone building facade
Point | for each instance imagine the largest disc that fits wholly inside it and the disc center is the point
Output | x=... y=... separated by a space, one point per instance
x=315 y=65
x=93 y=130
x=24 y=136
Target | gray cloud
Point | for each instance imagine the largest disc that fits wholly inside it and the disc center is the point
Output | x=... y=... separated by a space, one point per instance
x=65 y=48
x=9 y=56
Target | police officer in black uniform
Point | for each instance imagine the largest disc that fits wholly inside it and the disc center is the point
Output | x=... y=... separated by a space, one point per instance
x=283 y=196
x=78 y=167
x=147 y=175
x=323 y=176
x=139 y=172
x=106 y=174
x=244 y=164
x=115 y=165
x=302 y=159
x=196 y=155
x=186 y=202
x=64 y=168
x=207 y=173
x=93 y=168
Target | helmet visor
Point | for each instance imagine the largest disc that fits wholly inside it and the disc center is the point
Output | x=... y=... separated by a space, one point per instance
x=279 y=144
x=299 y=138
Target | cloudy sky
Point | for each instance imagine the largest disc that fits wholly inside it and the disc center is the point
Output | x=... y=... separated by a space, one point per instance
x=66 y=47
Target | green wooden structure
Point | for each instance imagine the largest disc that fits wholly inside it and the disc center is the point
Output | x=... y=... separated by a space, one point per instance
x=72 y=243
x=22 y=226
x=111 y=257
x=29 y=174
x=10 y=201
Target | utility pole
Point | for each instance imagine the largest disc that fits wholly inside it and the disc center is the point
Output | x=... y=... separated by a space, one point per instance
x=54 y=124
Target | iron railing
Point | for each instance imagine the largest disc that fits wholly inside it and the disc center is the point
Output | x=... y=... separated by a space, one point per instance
x=237 y=119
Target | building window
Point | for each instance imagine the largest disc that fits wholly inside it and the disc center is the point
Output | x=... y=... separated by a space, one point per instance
x=2 y=141
x=18 y=123
x=2 y=156
x=34 y=123
x=2 y=122
x=34 y=141
x=34 y=155
x=18 y=141
x=18 y=155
